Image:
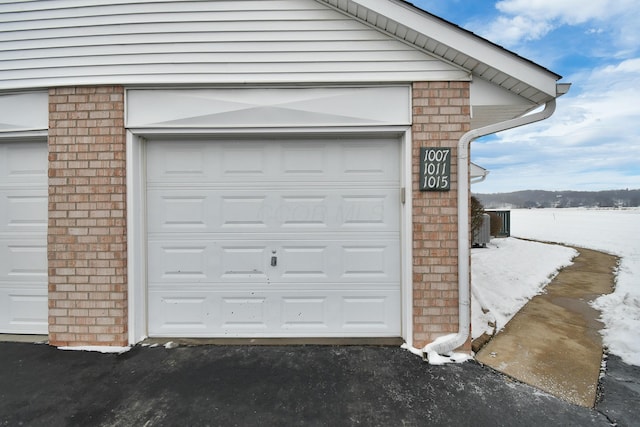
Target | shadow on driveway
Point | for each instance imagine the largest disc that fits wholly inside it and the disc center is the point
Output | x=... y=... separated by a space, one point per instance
x=263 y=386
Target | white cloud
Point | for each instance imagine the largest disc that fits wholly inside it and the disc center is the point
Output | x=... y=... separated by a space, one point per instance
x=590 y=143
x=525 y=20
x=628 y=66
x=571 y=12
x=511 y=30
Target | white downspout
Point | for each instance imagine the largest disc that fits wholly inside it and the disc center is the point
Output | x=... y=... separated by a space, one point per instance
x=446 y=345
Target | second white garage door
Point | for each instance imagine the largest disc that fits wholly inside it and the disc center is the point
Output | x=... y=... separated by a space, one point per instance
x=273 y=238
x=23 y=237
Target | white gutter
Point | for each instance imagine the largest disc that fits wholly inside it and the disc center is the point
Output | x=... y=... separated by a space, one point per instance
x=446 y=345
x=478 y=178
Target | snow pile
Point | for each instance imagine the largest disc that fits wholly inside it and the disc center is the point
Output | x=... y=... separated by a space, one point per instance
x=436 y=359
x=98 y=349
x=506 y=275
x=616 y=231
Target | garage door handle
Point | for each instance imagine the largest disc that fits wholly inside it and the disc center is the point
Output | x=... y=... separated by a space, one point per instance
x=274 y=261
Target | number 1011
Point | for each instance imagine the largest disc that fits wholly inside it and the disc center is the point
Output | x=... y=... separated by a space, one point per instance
x=435 y=169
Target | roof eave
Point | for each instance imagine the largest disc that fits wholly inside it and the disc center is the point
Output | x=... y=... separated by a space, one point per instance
x=444 y=39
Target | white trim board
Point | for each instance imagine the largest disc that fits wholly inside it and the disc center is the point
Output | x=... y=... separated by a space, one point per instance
x=229 y=108
x=24 y=112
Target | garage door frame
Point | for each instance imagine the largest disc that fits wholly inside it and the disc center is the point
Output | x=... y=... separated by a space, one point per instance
x=25 y=120
x=137 y=136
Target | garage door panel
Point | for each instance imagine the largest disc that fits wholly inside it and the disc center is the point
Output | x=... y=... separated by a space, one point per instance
x=244 y=262
x=334 y=259
x=23 y=260
x=241 y=313
x=371 y=162
x=304 y=261
x=219 y=162
x=23 y=310
x=181 y=312
x=300 y=211
x=364 y=261
x=185 y=262
x=305 y=312
x=176 y=162
x=243 y=211
x=221 y=211
x=207 y=262
x=183 y=211
x=23 y=237
x=23 y=163
x=300 y=162
x=249 y=161
x=252 y=313
x=23 y=210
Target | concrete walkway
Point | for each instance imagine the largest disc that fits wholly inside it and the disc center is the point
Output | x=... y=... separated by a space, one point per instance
x=553 y=343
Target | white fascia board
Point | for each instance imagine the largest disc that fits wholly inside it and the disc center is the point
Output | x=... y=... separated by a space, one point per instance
x=24 y=111
x=464 y=42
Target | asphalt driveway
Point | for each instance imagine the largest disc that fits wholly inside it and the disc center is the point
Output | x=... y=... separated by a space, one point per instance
x=263 y=386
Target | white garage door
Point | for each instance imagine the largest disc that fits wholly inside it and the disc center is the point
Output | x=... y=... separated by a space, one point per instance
x=23 y=237
x=274 y=238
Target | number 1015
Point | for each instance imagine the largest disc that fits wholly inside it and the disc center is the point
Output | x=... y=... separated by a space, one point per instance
x=438 y=181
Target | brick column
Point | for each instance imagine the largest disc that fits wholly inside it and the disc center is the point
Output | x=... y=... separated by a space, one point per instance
x=441 y=115
x=87 y=248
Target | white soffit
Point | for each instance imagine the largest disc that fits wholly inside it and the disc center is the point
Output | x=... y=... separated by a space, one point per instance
x=268 y=107
x=26 y=111
x=492 y=104
x=476 y=171
x=456 y=45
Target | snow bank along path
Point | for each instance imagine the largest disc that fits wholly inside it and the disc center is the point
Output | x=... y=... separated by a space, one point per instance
x=615 y=231
x=507 y=274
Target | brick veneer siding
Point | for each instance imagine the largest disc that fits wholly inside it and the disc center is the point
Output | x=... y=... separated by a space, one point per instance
x=87 y=250
x=87 y=214
x=441 y=115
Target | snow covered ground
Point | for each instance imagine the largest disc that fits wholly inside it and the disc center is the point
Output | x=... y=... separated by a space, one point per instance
x=504 y=277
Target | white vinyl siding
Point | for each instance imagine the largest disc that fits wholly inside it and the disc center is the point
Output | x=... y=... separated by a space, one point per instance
x=45 y=43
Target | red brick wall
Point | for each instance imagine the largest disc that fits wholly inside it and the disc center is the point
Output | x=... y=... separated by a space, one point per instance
x=87 y=248
x=441 y=115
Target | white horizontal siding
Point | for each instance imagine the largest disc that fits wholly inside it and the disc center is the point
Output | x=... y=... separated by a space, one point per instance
x=49 y=43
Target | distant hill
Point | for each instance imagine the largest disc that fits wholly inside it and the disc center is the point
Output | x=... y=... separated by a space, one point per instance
x=560 y=199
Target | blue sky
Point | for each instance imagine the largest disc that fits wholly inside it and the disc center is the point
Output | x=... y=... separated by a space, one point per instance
x=592 y=142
